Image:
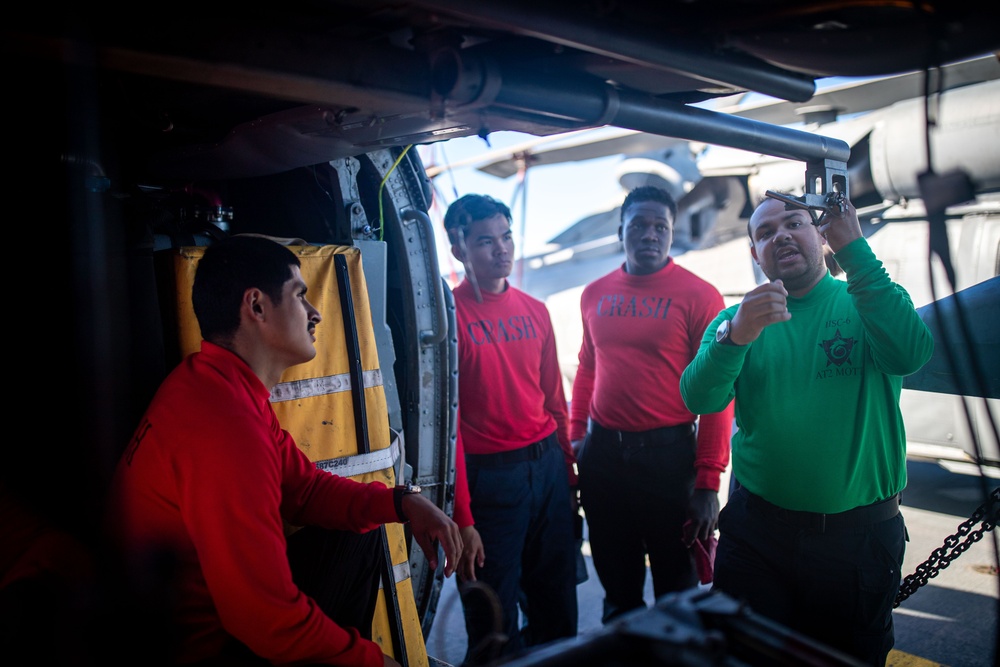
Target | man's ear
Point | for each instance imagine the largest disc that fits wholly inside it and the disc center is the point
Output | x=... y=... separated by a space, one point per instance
x=253 y=302
x=753 y=253
x=620 y=233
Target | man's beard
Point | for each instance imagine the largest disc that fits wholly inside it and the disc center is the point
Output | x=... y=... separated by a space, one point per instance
x=801 y=278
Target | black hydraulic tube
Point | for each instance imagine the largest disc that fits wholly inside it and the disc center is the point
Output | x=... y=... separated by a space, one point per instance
x=695 y=123
x=649 y=114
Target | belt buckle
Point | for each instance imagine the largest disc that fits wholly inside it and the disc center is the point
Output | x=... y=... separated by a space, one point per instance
x=631 y=440
x=536 y=449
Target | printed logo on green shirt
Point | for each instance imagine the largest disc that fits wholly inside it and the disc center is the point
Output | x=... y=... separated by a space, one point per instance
x=837 y=349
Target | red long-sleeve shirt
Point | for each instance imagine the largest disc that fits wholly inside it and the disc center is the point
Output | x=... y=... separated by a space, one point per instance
x=211 y=476
x=510 y=386
x=462 y=514
x=639 y=334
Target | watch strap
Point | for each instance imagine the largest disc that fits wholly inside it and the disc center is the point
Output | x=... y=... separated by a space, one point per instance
x=726 y=338
x=397 y=498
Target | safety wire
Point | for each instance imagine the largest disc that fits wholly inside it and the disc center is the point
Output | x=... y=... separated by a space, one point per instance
x=939 y=246
x=381 y=214
x=990 y=510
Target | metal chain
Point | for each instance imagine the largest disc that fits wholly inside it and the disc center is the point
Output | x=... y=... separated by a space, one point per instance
x=951 y=549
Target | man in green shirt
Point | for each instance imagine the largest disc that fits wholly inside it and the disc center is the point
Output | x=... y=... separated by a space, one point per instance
x=812 y=536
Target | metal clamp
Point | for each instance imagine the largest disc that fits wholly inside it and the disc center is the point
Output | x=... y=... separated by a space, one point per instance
x=833 y=202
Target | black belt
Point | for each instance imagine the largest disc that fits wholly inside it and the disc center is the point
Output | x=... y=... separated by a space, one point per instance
x=531 y=452
x=865 y=515
x=651 y=438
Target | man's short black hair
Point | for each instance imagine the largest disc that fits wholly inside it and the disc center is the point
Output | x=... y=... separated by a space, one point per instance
x=649 y=193
x=470 y=208
x=227 y=270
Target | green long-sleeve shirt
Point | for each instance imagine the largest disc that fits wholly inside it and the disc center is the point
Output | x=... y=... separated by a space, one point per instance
x=817 y=396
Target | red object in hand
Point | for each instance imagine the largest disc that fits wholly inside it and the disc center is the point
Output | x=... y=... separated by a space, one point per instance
x=704 y=555
x=704 y=558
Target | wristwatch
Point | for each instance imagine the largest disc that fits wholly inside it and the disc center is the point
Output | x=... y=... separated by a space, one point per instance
x=722 y=333
x=397 y=498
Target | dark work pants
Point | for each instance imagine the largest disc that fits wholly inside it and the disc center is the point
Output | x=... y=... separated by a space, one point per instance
x=340 y=570
x=524 y=515
x=836 y=586
x=635 y=499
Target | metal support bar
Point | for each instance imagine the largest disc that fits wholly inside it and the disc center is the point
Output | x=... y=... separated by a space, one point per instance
x=433 y=336
x=364 y=447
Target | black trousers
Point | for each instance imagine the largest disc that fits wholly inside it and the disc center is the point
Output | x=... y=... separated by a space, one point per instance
x=521 y=503
x=830 y=581
x=340 y=570
x=635 y=489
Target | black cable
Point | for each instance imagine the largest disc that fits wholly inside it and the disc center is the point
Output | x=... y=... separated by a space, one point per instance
x=938 y=245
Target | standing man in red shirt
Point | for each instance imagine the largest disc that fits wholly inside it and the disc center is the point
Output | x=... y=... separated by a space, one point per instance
x=210 y=477
x=513 y=425
x=649 y=474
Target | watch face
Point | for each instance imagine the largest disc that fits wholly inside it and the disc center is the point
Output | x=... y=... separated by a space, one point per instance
x=722 y=332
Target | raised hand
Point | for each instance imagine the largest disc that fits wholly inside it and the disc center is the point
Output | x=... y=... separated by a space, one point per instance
x=764 y=305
